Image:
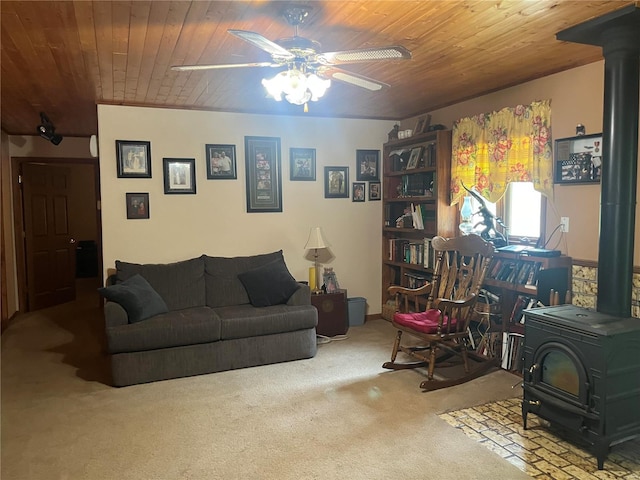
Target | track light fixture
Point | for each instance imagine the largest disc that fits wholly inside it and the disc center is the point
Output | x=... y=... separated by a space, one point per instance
x=47 y=131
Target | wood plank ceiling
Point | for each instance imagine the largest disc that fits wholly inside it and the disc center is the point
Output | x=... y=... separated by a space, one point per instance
x=64 y=57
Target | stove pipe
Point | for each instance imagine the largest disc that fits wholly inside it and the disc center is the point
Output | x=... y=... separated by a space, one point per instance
x=618 y=33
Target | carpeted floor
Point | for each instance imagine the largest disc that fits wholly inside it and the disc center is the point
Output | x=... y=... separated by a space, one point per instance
x=338 y=415
x=537 y=451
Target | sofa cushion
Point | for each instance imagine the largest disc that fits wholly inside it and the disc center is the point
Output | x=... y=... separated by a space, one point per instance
x=137 y=297
x=173 y=329
x=180 y=284
x=242 y=321
x=270 y=284
x=223 y=287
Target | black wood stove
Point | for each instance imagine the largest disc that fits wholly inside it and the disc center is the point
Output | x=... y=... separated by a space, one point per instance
x=582 y=374
x=582 y=368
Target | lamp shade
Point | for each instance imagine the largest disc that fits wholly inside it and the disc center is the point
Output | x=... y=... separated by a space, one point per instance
x=316 y=239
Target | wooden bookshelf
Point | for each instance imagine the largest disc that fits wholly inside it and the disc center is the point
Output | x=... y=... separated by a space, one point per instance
x=423 y=187
x=520 y=281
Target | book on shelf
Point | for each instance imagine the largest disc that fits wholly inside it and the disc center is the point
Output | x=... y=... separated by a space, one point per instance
x=496 y=263
x=512 y=345
x=416 y=280
x=429 y=155
x=533 y=274
x=406 y=251
x=413 y=253
x=416 y=185
x=429 y=256
x=417 y=215
x=521 y=272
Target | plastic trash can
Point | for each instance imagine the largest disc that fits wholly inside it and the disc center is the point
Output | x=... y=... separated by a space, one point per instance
x=356 y=307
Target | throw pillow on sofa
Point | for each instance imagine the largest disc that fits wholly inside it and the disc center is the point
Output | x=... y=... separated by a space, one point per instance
x=137 y=297
x=270 y=284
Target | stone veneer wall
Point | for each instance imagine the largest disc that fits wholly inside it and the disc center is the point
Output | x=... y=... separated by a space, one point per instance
x=585 y=289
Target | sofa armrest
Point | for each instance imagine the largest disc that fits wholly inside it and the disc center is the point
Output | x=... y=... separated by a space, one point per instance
x=302 y=296
x=115 y=315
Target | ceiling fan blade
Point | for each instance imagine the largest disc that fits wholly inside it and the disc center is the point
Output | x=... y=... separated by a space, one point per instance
x=352 y=78
x=185 y=68
x=395 y=52
x=263 y=43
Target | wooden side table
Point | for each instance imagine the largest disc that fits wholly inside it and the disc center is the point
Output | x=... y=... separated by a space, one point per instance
x=332 y=313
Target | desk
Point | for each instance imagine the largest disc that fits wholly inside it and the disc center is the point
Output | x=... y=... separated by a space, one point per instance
x=332 y=313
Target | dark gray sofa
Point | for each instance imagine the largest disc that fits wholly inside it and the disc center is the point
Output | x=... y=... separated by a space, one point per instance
x=206 y=320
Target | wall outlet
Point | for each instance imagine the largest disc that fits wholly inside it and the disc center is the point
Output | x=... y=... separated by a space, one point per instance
x=564 y=224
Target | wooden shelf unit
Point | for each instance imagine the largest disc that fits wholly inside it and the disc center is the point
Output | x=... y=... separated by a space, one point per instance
x=427 y=187
x=549 y=273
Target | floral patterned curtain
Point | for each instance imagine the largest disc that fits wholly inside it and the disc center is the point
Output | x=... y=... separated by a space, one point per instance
x=511 y=145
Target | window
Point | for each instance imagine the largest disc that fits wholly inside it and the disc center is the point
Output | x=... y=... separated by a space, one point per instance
x=521 y=210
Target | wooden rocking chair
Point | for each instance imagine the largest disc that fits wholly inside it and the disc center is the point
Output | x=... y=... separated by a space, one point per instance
x=438 y=313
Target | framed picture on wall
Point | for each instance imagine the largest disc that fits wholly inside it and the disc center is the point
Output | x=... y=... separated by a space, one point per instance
x=221 y=162
x=133 y=158
x=179 y=175
x=264 y=180
x=137 y=205
x=374 y=191
x=357 y=192
x=302 y=164
x=578 y=159
x=367 y=165
x=336 y=182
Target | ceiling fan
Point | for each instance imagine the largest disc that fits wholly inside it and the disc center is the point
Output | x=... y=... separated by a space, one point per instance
x=308 y=70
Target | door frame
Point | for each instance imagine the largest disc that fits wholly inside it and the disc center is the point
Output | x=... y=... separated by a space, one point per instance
x=18 y=216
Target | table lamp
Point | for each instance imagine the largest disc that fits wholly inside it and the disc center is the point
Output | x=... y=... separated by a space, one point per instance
x=316 y=241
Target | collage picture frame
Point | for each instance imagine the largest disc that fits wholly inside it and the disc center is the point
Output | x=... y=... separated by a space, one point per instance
x=263 y=175
x=578 y=159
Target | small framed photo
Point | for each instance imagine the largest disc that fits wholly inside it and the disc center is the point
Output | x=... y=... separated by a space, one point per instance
x=358 y=191
x=422 y=125
x=414 y=158
x=179 y=175
x=302 y=165
x=221 y=162
x=137 y=205
x=336 y=182
x=367 y=165
x=374 y=191
x=578 y=159
x=133 y=158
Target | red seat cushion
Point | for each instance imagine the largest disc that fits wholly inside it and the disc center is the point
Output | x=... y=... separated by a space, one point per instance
x=425 y=322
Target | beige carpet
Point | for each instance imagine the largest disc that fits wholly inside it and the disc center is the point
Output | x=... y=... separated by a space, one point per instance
x=539 y=451
x=338 y=415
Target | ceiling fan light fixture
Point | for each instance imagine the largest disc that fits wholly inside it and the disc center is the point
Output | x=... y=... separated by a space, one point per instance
x=296 y=86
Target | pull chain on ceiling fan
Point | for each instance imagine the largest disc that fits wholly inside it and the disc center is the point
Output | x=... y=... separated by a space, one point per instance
x=308 y=71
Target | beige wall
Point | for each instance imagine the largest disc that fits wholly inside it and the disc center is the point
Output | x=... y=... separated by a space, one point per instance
x=576 y=97
x=215 y=220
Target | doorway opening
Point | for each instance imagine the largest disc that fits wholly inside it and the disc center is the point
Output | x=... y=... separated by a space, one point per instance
x=58 y=228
